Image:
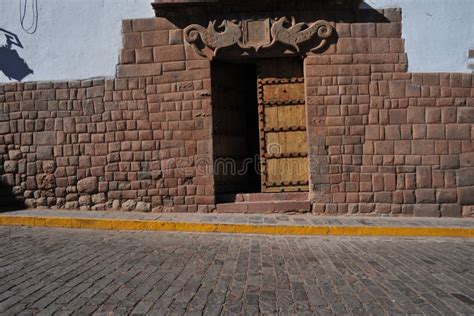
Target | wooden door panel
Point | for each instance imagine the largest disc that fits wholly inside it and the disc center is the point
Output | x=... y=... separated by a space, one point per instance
x=286 y=142
x=285 y=116
x=283 y=92
x=287 y=172
x=283 y=135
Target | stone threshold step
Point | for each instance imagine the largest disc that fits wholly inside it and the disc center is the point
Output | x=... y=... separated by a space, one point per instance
x=265 y=207
x=262 y=197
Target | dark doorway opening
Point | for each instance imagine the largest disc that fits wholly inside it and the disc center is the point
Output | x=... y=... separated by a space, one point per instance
x=235 y=128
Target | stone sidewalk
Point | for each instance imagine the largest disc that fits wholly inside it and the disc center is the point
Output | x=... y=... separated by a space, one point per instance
x=256 y=219
x=91 y=272
x=245 y=223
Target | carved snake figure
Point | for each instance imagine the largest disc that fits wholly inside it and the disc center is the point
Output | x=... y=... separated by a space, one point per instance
x=295 y=34
x=213 y=39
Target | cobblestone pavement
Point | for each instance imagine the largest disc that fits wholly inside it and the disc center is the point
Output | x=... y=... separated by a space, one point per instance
x=63 y=271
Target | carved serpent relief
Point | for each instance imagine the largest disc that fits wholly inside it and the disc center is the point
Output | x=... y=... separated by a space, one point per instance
x=211 y=38
x=256 y=34
x=299 y=33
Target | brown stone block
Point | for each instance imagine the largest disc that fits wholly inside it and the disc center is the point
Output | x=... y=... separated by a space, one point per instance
x=232 y=208
x=458 y=131
x=339 y=70
x=363 y=30
x=383 y=208
x=372 y=132
x=467 y=159
x=419 y=131
x=175 y=37
x=353 y=45
x=95 y=92
x=416 y=115
x=426 y=210
x=423 y=177
x=397 y=45
x=422 y=147
x=466 y=195
x=144 y=56
x=446 y=195
x=366 y=208
x=152 y=24
x=124 y=71
x=389 y=30
x=126 y=26
x=425 y=195
x=468 y=211
x=465 y=177
x=384 y=147
x=383 y=197
x=156 y=38
x=465 y=115
x=375 y=58
x=174 y=66
x=291 y=206
x=402 y=147
x=4 y=127
x=397 y=88
x=436 y=131
x=62 y=94
x=433 y=115
x=407 y=209
x=382 y=45
x=377 y=182
x=343 y=30
x=44 y=138
x=389 y=182
x=448 y=115
x=449 y=161
x=386 y=68
x=451 y=210
x=131 y=40
x=398 y=116
x=169 y=53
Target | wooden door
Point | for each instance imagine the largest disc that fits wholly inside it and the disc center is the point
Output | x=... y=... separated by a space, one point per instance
x=282 y=125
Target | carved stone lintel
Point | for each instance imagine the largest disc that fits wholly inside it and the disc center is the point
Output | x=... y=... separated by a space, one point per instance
x=256 y=34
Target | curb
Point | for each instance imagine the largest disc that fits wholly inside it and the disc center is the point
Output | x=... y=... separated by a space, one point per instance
x=144 y=225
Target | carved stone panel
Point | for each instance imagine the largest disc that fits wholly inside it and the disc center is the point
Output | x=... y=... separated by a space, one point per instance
x=256 y=34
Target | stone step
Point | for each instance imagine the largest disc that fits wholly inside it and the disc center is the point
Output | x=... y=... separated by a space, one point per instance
x=265 y=207
x=262 y=197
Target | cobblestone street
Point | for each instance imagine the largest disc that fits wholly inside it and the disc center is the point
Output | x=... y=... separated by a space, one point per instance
x=63 y=271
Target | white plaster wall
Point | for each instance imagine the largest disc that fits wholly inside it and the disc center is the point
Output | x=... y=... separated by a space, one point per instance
x=75 y=39
x=438 y=33
x=79 y=39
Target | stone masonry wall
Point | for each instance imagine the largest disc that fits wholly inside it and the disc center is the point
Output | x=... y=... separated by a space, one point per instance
x=128 y=143
x=382 y=140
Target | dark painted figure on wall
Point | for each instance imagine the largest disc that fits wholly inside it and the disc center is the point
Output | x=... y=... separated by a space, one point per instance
x=11 y=64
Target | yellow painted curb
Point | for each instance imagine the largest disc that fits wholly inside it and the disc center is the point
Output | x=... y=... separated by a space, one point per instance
x=146 y=225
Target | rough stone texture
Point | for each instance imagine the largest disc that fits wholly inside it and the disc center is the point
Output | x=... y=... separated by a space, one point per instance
x=53 y=271
x=100 y=143
x=88 y=185
x=381 y=140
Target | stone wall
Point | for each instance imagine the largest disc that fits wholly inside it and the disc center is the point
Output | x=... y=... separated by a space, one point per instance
x=381 y=140
x=128 y=143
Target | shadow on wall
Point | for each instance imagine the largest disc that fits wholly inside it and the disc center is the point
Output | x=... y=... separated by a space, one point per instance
x=11 y=64
x=8 y=200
